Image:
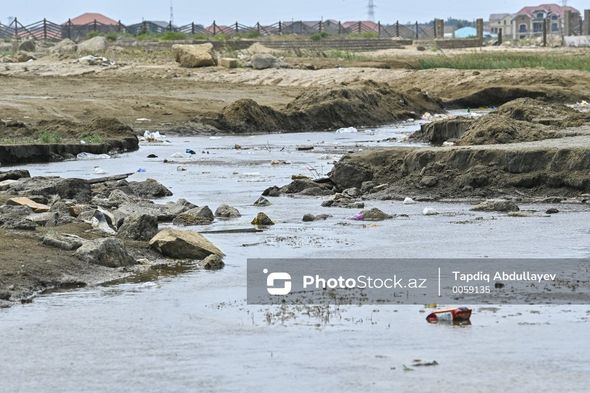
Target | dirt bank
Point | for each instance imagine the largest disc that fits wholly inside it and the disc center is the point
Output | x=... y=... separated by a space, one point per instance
x=354 y=105
x=551 y=167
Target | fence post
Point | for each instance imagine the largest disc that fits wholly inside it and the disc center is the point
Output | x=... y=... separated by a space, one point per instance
x=500 y=36
x=479 y=28
x=587 y=19
x=237 y=28
x=45 y=29
x=214 y=28
x=144 y=27
x=95 y=25
x=417 y=30
x=170 y=26
x=280 y=28
x=379 y=29
x=397 y=28
x=545 y=31
x=69 y=29
x=192 y=28
x=119 y=26
x=16 y=28
x=360 y=26
x=339 y=27
x=320 y=26
x=258 y=27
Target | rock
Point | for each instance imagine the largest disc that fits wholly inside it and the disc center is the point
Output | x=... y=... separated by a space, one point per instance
x=262 y=202
x=149 y=188
x=228 y=63
x=139 y=227
x=27 y=46
x=428 y=181
x=5 y=185
x=165 y=213
x=108 y=252
x=262 y=61
x=227 y=211
x=262 y=219
x=95 y=61
x=15 y=217
x=118 y=197
x=273 y=191
x=409 y=201
x=14 y=174
x=316 y=191
x=299 y=185
x=552 y=210
x=24 y=201
x=192 y=56
x=428 y=211
x=103 y=222
x=212 y=262
x=77 y=189
x=93 y=45
x=347 y=175
x=183 y=245
x=64 y=47
x=63 y=242
x=319 y=217
x=352 y=192
x=196 y=216
x=23 y=57
x=374 y=214
x=367 y=186
x=496 y=205
x=341 y=200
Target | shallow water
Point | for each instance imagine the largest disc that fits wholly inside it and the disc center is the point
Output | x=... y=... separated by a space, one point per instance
x=194 y=332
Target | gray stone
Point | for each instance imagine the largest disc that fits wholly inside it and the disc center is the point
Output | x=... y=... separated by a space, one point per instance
x=64 y=47
x=93 y=45
x=139 y=227
x=108 y=252
x=375 y=214
x=227 y=211
x=262 y=219
x=192 y=56
x=63 y=242
x=496 y=205
x=183 y=245
x=196 y=216
x=262 y=61
x=149 y=188
x=262 y=202
x=212 y=262
x=27 y=46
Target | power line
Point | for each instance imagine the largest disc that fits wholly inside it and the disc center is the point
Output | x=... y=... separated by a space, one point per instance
x=371 y=8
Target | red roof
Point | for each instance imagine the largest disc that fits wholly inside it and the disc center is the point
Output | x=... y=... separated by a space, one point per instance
x=547 y=8
x=90 y=17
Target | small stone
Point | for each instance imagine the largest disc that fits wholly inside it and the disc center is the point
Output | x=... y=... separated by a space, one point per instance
x=262 y=219
x=212 y=262
x=552 y=210
x=227 y=211
x=262 y=202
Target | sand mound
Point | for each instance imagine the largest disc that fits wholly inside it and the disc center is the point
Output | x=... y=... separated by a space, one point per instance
x=498 y=129
x=533 y=110
x=360 y=104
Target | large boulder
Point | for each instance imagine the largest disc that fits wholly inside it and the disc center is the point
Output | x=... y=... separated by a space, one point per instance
x=77 y=189
x=107 y=252
x=226 y=211
x=139 y=227
x=197 y=216
x=14 y=174
x=262 y=219
x=262 y=61
x=93 y=45
x=64 y=47
x=192 y=56
x=177 y=244
x=149 y=188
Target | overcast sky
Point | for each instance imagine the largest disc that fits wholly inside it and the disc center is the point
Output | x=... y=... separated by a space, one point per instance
x=265 y=11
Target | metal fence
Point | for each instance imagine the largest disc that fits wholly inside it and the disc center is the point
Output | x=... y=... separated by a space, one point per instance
x=47 y=30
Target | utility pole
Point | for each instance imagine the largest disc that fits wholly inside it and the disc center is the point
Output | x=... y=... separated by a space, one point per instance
x=171 y=13
x=371 y=8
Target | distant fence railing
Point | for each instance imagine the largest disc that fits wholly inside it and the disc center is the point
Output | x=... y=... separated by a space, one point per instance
x=47 y=30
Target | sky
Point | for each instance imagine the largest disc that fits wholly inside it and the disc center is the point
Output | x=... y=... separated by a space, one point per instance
x=263 y=11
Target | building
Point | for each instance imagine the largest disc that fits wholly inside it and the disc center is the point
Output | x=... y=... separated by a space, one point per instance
x=528 y=22
x=501 y=21
x=91 y=17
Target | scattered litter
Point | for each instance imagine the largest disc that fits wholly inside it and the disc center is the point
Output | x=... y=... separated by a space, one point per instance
x=152 y=156
x=456 y=315
x=428 y=211
x=359 y=216
x=552 y=210
x=143 y=120
x=181 y=168
x=279 y=162
x=347 y=130
x=90 y=156
x=99 y=171
x=141 y=170
x=95 y=61
x=153 y=137
x=190 y=151
x=237 y=147
x=448 y=144
x=582 y=106
x=215 y=137
x=420 y=363
x=409 y=201
x=304 y=147
x=179 y=155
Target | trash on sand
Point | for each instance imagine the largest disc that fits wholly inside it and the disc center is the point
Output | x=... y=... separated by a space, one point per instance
x=190 y=151
x=448 y=144
x=90 y=156
x=279 y=162
x=181 y=168
x=153 y=137
x=409 y=201
x=93 y=60
x=152 y=156
x=428 y=211
x=143 y=120
x=359 y=216
x=304 y=147
x=454 y=315
x=346 y=130
x=178 y=155
x=141 y=170
x=99 y=171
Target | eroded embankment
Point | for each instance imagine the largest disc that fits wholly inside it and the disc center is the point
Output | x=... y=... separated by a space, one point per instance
x=57 y=140
x=553 y=167
x=357 y=104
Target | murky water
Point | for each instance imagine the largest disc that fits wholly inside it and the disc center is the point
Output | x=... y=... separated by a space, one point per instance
x=194 y=332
